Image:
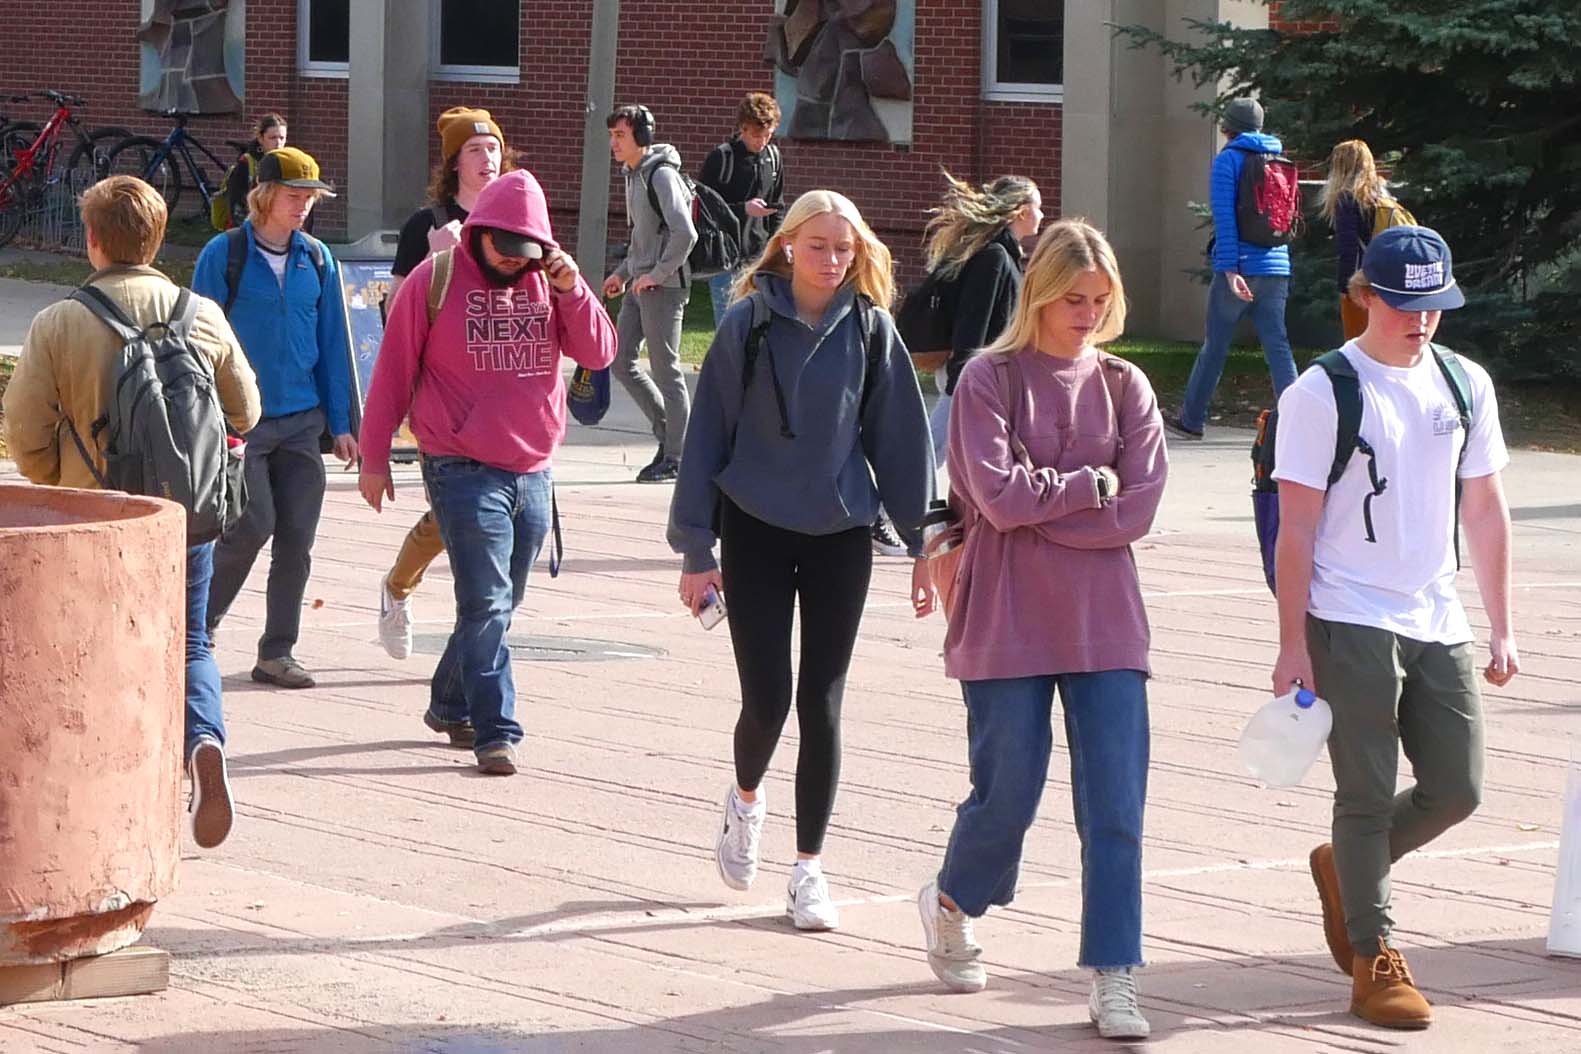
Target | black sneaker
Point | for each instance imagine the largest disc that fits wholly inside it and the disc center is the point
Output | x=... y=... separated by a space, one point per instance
x=885 y=541
x=665 y=470
x=1173 y=427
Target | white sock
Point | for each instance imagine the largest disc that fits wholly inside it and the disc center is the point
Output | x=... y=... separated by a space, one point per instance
x=746 y=809
x=809 y=867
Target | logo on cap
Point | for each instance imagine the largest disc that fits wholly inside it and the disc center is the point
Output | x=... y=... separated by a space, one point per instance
x=480 y=128
x=1424 y=275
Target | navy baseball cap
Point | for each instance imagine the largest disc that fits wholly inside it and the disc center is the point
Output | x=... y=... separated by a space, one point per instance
x=1410 y=269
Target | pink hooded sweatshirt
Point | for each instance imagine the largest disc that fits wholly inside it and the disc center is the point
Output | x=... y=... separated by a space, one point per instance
x=484 y=381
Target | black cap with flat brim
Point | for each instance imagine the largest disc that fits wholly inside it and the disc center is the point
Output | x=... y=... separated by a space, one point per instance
x=514 y=245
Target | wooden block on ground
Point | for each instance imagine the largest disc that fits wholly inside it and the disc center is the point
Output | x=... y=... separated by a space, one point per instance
x=131 y=971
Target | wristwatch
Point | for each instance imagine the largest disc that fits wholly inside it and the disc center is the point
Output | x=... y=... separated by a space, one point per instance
x=1103 y=486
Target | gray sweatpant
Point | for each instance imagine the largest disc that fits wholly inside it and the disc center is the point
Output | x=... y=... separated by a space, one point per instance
x=655 y=316
x=1390 y=692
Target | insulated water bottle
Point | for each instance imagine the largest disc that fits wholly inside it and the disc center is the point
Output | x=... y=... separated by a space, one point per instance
x=1284 y=737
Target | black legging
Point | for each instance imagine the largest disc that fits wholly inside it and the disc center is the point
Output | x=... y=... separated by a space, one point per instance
x=765 y=569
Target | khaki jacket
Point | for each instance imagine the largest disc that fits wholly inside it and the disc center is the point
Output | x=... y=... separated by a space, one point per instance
x=64 y=374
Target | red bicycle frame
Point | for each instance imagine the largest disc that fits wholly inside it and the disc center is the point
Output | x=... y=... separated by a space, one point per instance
x=48 y=140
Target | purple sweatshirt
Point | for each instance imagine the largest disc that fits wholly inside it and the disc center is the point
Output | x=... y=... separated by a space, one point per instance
x=1049 y=584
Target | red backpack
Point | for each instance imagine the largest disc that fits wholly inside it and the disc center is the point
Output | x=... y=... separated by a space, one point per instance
x=1268 y=200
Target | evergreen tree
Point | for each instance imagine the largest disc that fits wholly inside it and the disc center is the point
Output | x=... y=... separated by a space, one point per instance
x=1475 y=106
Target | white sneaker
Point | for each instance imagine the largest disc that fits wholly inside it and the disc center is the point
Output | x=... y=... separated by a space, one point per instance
x=211 y=807
x=953 y=951
x=1112 y=1005
x=395 y=622
x=807 y=901
x=736 y=852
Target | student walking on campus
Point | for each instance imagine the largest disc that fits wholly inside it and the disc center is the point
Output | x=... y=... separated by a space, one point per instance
x=269 y=133
x=1356 y=202
x=808 y=413
x=1369 y=617
x=472 y=153
x=748 y=174
x=1057 y=465
x=472 y=353
x=654 y=273
x=974 y=249
x=62 y=388
x=1248 y=277
x=281 y=290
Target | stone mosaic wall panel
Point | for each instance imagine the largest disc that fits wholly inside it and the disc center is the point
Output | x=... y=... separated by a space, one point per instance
x=194 y=54
x=844 y=68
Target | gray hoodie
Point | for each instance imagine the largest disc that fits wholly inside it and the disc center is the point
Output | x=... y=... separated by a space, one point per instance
x=817 y=481
x=658 y=244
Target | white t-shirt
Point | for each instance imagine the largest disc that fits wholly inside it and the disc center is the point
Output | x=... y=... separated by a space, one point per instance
x=1405 y=580
x=276 y=262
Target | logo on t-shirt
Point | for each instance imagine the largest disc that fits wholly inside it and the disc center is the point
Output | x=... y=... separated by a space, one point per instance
x=1445 y=419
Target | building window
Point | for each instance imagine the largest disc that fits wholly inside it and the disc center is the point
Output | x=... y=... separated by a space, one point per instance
x=477 y=40
x=1024 y=50
x=323 y=43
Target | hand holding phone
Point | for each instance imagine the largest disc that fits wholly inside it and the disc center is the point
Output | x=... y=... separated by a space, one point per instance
x=713 y=611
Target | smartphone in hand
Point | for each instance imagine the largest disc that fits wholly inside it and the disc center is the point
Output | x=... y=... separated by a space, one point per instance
x=713 y=610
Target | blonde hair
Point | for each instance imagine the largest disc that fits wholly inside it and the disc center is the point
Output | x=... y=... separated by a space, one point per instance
x=260 y=200
x=1066 y=251
x=970 y=217
x=127 y=218
x=872 y=269
x=1351 y=171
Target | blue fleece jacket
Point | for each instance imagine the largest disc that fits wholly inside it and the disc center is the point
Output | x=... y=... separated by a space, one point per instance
x=295 y=339
x=1230 y=254
x=818 y=480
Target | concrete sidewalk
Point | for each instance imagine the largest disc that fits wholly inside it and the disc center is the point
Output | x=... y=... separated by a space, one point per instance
x=379 y=896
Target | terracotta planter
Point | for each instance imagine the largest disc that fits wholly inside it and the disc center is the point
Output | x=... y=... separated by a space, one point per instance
x=92 y=665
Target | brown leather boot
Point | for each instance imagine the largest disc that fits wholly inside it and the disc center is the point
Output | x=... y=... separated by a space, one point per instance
x=1327 y=880
x=1383 y=993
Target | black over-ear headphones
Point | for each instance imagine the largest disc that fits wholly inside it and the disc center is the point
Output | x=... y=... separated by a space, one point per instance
x=643 y=127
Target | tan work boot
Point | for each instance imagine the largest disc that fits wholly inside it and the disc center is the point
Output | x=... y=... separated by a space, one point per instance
x=1383 y=993
x=1327 y=880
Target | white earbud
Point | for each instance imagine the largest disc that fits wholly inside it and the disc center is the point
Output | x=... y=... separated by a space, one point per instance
x=787 y=254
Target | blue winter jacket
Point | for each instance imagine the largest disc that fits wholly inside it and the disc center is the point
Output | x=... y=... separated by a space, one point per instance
x=839 y=461
x=295 y=339
x=1230 y=254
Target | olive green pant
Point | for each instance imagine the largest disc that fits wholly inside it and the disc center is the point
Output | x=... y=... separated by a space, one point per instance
x=1389 y=692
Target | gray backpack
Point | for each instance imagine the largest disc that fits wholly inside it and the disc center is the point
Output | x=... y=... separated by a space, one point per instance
x=164 y=428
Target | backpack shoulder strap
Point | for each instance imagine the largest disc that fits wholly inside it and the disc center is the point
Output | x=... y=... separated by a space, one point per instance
x=440 y=214
x=439 y=282
x=106 y=310
x=183 y=315
x=1459 y=384
x=867 y=319
x=727 y=166
x=757 y=333
x=1347 y=405
x=235 y=261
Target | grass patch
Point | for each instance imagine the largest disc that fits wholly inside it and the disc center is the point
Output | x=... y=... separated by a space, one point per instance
x=72 y=270
x=7 y=365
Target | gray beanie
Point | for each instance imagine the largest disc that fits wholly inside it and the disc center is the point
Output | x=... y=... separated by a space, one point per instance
x=1243 y=115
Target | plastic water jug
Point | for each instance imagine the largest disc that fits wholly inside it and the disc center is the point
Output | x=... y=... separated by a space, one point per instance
x=1284 y=737
x=1564 y=924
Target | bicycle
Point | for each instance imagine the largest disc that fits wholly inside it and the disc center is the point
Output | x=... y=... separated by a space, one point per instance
x=28 y=164
x=158 y=162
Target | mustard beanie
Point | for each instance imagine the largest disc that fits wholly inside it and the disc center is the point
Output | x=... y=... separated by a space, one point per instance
x=458 y=124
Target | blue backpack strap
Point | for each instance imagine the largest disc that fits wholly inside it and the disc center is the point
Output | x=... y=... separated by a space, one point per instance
x=235 y=261
x=1347 y=432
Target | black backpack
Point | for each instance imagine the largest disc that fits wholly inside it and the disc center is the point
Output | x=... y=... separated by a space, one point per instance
x=926 y=319
x=236 y=260
x=164 y=426
x=718 y=245
x=1347 y=442
x=1268 y=200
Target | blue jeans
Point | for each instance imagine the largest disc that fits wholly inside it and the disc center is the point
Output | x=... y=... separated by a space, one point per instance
x=493 y=523
x=204 y=716
x=1225 y=309
x=719 y=291
x=1010 y=736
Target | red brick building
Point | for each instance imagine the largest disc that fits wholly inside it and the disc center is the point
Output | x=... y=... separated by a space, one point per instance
x=689 y=62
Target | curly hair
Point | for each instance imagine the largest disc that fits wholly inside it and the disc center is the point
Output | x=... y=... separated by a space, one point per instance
x=758 y=108
x=970 y=217
x=443 y=182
